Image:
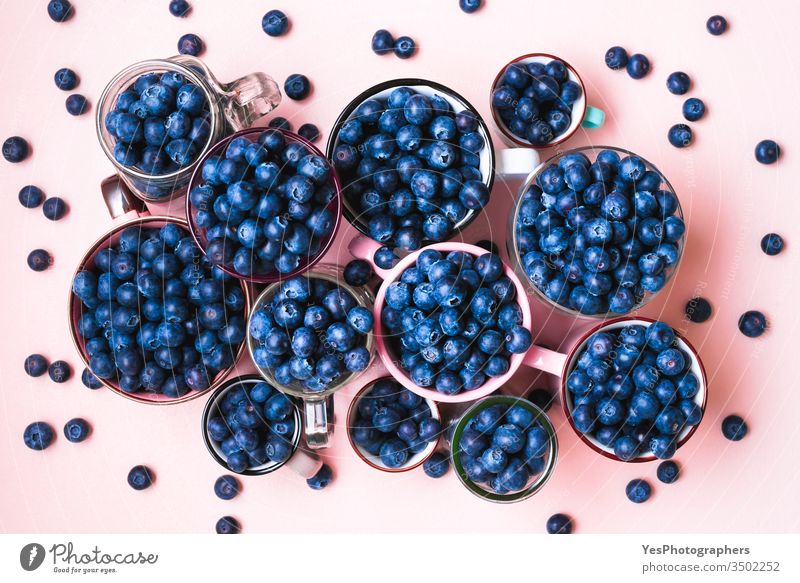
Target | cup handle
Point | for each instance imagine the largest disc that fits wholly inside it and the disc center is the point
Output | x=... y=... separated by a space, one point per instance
x=544 y=359
x=249 y=98
x=304 y=463
x=594 y=118
x=119 y=199
x=516 y=162
x=362 y=247
x=317 y=428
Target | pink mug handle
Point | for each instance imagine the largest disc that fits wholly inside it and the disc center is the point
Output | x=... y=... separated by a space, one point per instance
x=363 y=247
x=544 y=359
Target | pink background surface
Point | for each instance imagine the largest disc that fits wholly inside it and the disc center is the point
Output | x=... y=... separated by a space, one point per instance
x=749 y=81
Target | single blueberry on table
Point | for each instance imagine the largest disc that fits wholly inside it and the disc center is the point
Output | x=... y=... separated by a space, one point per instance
x=179 y=8
x=638 y=66
x=31 y=196
x=38 y=435
x=59 y=371
x=698 y=310
x=752 y=323
x=77 y=430
x=767 y=151
x=309 y=131
x=382 y=42
x=66 y=79
x=680 y=135
x=678 y=83
x=77 y=104
x=559 y=524
x=734 y=428
x=280 y=123
x=190 y=44
x=616 y=58
x=297 y=86
x=35 y=365
x=275 y=23
x=140 y=477
x=227 y=487
x=39 y=260
x=716 y=25
x=469 y=6
x=638 y=491
x=437 y=465
x=54 y=208
x=321 y=479
x=772 y=244
x=228 y=525
x=668 y=472
x=404 y=47
x=693 y=109
x=15 y=149
x=60 y=10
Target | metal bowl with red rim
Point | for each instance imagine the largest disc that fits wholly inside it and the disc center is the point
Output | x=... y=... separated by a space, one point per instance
x=264 y=270
x=581 y=114
x=374 y=459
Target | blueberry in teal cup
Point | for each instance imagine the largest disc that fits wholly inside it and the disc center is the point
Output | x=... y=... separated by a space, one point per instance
x=415 y=160
x=597 y=231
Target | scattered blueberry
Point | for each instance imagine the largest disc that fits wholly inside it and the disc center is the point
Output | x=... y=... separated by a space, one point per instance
x=179 y=8
x=358 y=272
x=275 y=23
x=190 y=44
x=638 y=66
x=263 y=206
x=772 y=244
x=39 y=260
x=297 y=86
x=60 y=10
x=59 y=371
x=633 y=391
x=15 y=149
x=309 y=131
x=469 y=6
x=638 y=491
x=54 y=208
x=228 y=525
x=90 y=380
x=35 y=365
x=38 y=435
x=680 y=135
x=437 y=465
x=31 y=196
x=280 y=123
x=66 y=79
x=716 y=25
x=227 y=487
x=678 y=83
x=668 y=472
x=321 y=479
x=76 y=430
x=77 y=104
x=752 y=324
x=616 y=58
x=734 y=427
x=768 y=151
x=693 y=109
x=385 y=258
x=405 y=47
x=140 y=477
x=156 y=317
x=559 y=524
x=382 y=42
x=698 y=310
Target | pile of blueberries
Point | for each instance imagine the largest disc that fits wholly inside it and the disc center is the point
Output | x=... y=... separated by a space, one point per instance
x=454 y=320
x=160 y=123
x=263 y=206
x=252 y=424
x=410 y=167
x=633 y=391
x=594 y=237
x=311 y=333
x=534 y=100
x=156 y=316
x=503 y=446
x=393 y=424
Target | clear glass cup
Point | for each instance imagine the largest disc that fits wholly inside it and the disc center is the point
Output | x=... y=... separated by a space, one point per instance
x=511 y=234
x=233 y=106
x=318 y=407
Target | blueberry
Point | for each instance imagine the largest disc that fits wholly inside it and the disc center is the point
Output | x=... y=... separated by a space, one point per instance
x=437 y=465
x=616 y=58
x=309 y=131
x=77 y=104
x=638 y=491
x=275 y=23
x=15 y=149
x=76 y=430
x=35 y=365
x=469 y=6
x=668 y=472
x=698 y=310
x=60 y=10
x=752 y=323
x=321 y=479
x=772 y=244
x=59 y=371
x=678 y=83
x=638 y=66
x=31 y=196
x=39 y=260
x=227 y=487
x=358 y=272
x=190 y=44
x=394 y=453
x=680 y=135
x=66 y=79
x=404 y=47
x=734 y=427
x=716 y=25
x=38 y=435
x=767 y=151
x=382 y=42
x=228 y=525
x=693 y=109
x=54 y=208
x=140 y=477
x=297 y=86
x=559 y=524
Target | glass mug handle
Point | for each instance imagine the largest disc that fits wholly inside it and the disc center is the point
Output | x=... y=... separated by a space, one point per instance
x=317 y=428
x=304 y=464
x=119 y=199
x=593 y=118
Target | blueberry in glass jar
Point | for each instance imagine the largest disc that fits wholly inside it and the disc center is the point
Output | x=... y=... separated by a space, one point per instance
x=410 y=166
x=633 y=391
x=585 y=230
x=392 y=425
x=155 y=317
